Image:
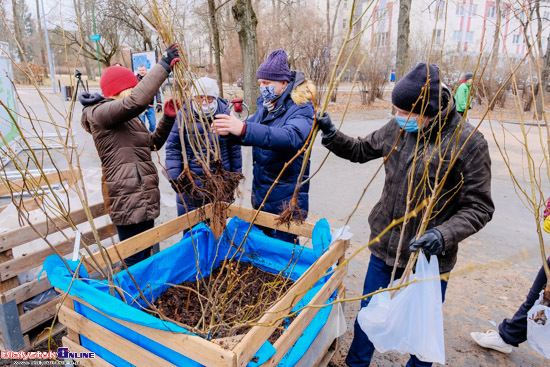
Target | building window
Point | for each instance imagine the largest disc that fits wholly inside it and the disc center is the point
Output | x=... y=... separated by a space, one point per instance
x=459 y=10
x=440 y=9
x=381 y=13
x=522 y=16
x=438 y=37
x=345 y=4
x=380 y=39
x=491 y=12
x=469 y=37
x=345 y=23
x=515 y=38
x=457 y=36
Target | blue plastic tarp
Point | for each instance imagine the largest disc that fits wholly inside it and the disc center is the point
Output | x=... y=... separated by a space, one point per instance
x=194 y=256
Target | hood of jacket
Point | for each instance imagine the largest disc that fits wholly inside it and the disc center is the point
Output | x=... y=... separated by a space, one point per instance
x=447 y=119
x=84 y=119
x=300 y=89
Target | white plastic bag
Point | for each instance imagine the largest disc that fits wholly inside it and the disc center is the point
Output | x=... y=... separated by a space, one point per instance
x=538 y=335
x=412 y=321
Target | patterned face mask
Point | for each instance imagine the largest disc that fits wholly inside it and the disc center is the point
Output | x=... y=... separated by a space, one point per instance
x=268 y=93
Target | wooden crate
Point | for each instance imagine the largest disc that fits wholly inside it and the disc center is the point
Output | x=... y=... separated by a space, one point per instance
x=239 y=351
x=15 y=325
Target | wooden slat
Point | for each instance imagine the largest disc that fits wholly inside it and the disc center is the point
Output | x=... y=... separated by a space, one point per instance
x=77 y=348
x=10 y=283
x=19 y=236
x=192 y=346
x=45 y=333
x=148 y=238
x=301 y=322
x=11 y=268
x=27 y=290
x=71 y=334
x=37 y=316
x=116 y=344
x=270 y=220
x=29 y=204
x=52 y=178
x=254 y=339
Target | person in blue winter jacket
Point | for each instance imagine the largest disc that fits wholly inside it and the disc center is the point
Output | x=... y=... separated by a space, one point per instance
x=205 y=94
x=277 y=131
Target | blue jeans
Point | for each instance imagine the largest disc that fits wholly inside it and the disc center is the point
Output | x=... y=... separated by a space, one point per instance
x=378 y=276
x=150 y=114
x=514 y=331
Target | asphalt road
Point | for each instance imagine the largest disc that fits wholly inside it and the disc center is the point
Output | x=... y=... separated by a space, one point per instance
x=474 y=297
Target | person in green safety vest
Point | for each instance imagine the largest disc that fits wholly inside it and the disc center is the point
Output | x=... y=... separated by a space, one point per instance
x=462 y=95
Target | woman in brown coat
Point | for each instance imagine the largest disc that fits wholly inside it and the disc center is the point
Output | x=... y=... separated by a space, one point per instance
x=130 y=180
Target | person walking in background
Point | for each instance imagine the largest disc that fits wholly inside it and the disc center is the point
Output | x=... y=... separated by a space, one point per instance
x=130 y=180
x=512 y=332
x=462 y=95
x=463 y=208
x=277 y=131
x=206 y=103
x=149 y=112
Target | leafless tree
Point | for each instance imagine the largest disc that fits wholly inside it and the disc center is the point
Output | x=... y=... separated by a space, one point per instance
x=18 y=8
x=216 y=41
x=403 y=31
x=246 y=22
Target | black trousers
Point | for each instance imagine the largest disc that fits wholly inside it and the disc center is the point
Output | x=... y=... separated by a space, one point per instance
x=514 y=331
x=125 y=232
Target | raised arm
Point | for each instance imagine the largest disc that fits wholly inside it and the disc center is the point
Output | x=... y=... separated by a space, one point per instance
x=118 y=111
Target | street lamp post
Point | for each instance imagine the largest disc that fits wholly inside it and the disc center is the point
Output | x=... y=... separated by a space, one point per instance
x=50 y=61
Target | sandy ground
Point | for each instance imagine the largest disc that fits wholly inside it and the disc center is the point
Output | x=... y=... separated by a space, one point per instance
x=476 y=297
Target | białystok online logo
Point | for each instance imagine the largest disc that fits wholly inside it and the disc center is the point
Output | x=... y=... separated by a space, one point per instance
x=61 y=353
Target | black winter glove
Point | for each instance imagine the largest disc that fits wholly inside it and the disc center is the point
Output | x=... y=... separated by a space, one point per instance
x=325 y=124
x=170 y=56
x=431 y=242
x=159 y=107
x=87 y=99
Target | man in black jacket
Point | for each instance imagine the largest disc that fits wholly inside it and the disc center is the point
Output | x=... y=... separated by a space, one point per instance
x=149 y=112
x=430 y=153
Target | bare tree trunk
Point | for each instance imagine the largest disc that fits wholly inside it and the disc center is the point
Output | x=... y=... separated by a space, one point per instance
x=17 y=17
x=494 y=57
x=87 y=26
x=328 y=22
x=403 y=30
x=545 y=73
x=78 y=11
x=216 y=39
x=543 y=80
x=42 y=46
x=333 y=26
x=246 y=22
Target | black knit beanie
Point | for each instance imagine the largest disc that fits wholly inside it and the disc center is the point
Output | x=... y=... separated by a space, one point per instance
x=409 y=88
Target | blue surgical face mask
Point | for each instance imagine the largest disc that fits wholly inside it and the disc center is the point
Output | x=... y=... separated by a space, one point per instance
x=268 y=93
x=407 y=123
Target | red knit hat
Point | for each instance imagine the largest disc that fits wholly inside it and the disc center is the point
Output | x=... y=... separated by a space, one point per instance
x=115 y=79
